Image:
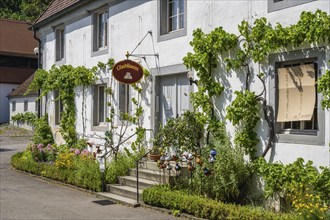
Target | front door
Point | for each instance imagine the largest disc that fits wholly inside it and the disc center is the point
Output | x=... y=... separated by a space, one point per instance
x=174 y=96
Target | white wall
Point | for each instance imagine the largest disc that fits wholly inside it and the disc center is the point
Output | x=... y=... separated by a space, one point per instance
x=5 y=89
x=20 y=108
x=131 y=20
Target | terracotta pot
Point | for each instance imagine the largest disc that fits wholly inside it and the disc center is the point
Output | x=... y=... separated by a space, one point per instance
x=154 y=157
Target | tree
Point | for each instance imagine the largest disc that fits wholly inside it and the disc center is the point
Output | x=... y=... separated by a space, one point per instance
x=27 y=10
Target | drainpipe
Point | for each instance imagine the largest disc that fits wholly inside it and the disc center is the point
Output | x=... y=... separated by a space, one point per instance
x=39 y=66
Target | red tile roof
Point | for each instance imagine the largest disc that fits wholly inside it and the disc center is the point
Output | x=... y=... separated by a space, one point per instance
x=14 y=75
x=21 y=89
x=54 y=7
x=16 y=39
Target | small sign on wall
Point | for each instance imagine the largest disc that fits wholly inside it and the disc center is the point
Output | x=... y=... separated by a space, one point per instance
x=127 y=71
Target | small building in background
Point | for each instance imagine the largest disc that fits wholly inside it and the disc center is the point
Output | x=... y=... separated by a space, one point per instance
x=17 y=60
x=21 y=103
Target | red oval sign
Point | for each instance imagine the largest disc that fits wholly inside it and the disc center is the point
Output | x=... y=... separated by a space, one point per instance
x=127 y=71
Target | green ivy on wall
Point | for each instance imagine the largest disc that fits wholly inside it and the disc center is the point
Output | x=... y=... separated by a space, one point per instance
x=65 y=79
x=239 y=52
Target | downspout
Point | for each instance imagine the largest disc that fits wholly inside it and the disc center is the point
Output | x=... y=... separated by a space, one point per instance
x=39 y=66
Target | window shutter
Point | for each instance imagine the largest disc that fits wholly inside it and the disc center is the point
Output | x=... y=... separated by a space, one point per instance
x=296 y=89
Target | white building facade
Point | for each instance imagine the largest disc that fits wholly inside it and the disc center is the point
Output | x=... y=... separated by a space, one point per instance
x=86 y=32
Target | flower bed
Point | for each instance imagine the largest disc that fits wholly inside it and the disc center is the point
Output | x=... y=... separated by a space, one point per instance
x=79 y=170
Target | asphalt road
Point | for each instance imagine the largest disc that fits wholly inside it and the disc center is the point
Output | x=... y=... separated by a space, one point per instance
x=24 y=196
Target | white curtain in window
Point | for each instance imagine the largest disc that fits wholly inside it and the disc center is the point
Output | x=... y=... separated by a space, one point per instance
x=296 y=90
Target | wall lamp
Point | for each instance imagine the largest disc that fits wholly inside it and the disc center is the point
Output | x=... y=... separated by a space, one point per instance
x=191 y=78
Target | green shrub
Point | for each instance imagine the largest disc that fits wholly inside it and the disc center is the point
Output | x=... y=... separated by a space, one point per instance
x=27 y=117
x=85 y=172
x=203 y=207
x=42 y=133
x=119 y=167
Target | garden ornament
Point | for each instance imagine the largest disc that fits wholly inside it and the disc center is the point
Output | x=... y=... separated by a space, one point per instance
x=177 y=167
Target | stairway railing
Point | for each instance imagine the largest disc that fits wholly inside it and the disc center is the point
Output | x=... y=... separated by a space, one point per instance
x=137 y=176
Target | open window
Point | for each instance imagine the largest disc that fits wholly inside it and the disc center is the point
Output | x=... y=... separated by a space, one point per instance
x=172 y=19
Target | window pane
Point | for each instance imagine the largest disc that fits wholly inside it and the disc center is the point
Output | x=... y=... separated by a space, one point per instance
x=181 y=6
x=101 y=104
x=173 y=24
x=25 y=106
x=181 y=21
x=101 y=30
x=296 y=125
x=62 y=44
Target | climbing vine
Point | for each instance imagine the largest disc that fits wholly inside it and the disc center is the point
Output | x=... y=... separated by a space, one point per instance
x=115 y=136
x=324 y=88
x=65 y=79
x=239 y=52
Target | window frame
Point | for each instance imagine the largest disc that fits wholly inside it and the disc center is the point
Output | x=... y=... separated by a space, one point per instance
x=13 y=106
x=96 y=48
x=279 y=5
x=163 y=31
x=58 y=107
x=96 y=105
x=127 y=99
x=302 y=124
x=304 y=136
x=59 y=44
x=26 y=105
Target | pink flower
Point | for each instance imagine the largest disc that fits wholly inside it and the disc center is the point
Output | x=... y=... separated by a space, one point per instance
x=40 y=146
x=77 y=152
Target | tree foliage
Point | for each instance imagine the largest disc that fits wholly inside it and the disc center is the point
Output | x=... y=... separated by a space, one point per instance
x=26 y=10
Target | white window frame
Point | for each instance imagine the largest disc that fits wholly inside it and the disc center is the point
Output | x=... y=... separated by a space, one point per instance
x=176 y=17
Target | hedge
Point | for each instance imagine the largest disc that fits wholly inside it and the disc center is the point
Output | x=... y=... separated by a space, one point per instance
x=203 y=207
x=86 y=174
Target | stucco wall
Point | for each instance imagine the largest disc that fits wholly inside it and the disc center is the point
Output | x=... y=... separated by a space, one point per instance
x=5 y=89
x=131 y=20
x=20 y=108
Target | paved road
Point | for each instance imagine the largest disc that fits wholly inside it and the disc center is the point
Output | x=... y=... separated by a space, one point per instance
x=26 y=197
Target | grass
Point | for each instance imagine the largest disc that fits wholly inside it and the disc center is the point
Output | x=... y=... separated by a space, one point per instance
x=8 y=130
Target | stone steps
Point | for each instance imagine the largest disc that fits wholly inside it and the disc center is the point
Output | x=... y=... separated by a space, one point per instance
x=149 y=174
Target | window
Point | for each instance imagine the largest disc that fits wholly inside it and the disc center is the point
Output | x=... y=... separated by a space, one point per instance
x=60 y=41
x=58 y=107
x=295 y=102
x=13 y=106
x=124 y=98
x=172 y=19
x=21 y=62
x=26 y=105
x=275 y=5
x=297 y=96
x=100 y=103
x=100 y=30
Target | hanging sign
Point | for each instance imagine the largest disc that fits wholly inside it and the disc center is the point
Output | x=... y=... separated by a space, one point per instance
x=127 y=71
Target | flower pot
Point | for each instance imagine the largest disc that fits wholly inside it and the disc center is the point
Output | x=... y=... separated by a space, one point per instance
x=154 y=157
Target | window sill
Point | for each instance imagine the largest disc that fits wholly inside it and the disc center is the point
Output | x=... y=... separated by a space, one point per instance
x=301 y=137
x=100 y=128
x=100 y=51
x=60 y=62
x=172 y=35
